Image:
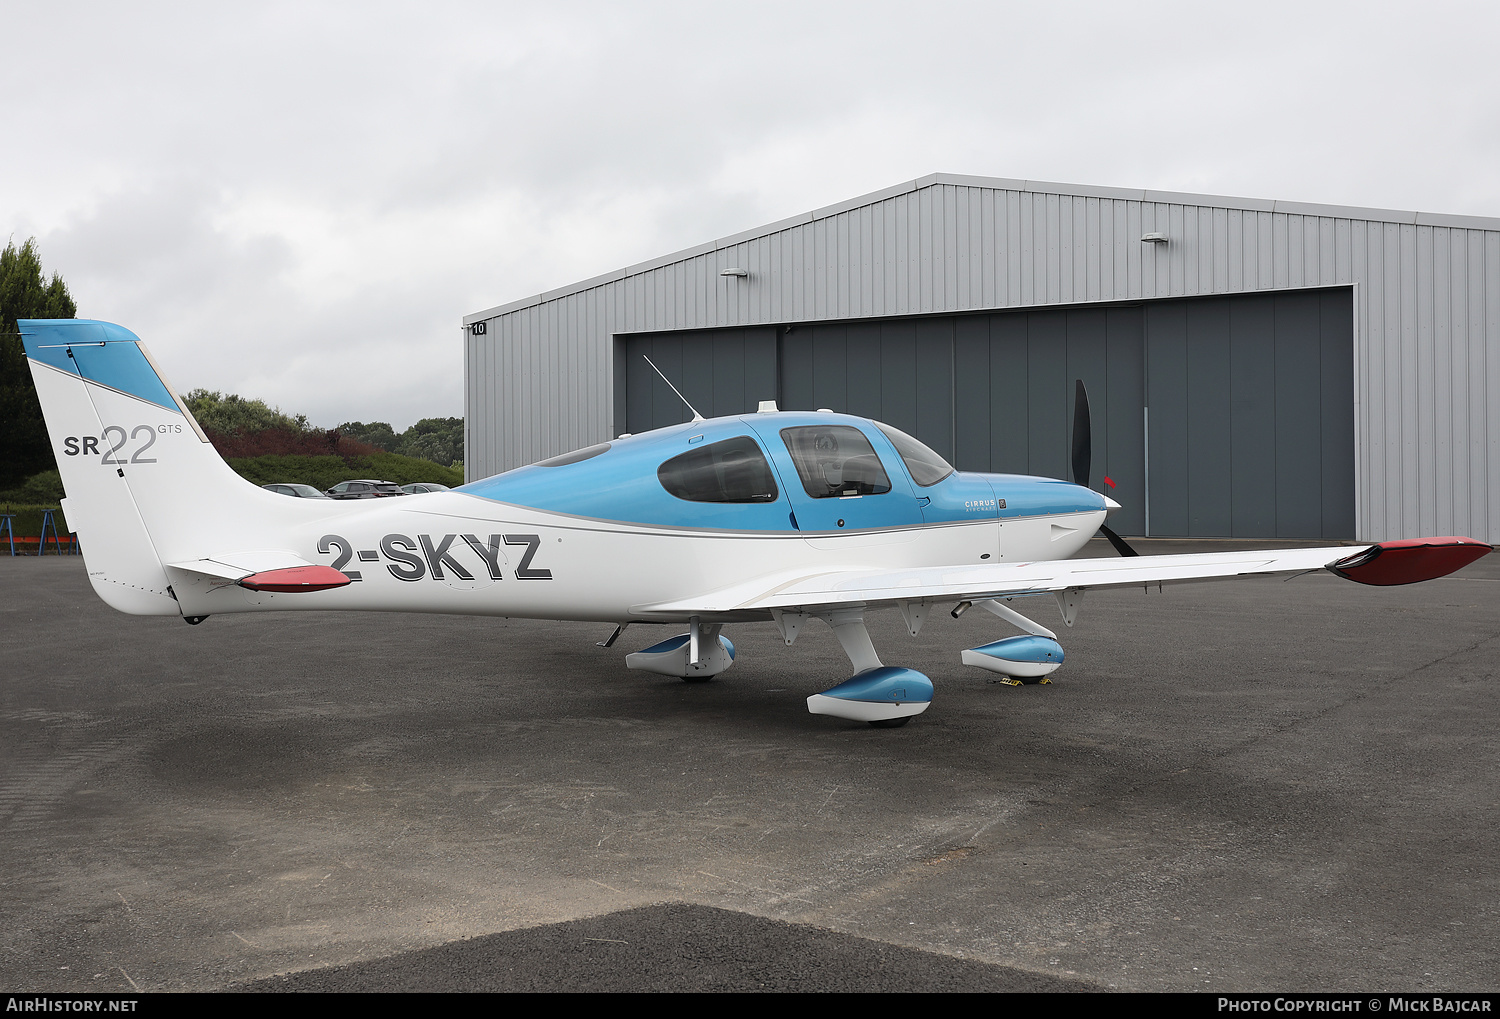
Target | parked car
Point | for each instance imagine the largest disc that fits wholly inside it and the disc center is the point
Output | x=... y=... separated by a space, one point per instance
x=296 y=491
x=423 y=487
x=365 y=488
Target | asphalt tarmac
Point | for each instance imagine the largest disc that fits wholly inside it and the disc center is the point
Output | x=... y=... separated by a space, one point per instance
x=1250 y=785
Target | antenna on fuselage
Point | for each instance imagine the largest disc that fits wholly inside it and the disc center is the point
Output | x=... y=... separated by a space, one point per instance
x=696 y=415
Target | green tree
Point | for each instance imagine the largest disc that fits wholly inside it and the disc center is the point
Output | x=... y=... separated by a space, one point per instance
x=440 y=440
x=229 y=414
x=377 y=433
x=24 y=293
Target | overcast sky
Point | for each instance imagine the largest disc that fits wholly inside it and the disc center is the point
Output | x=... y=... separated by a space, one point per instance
x=299 y=202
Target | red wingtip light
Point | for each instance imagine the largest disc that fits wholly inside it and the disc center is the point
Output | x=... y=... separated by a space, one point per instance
x=295 y=579
x=1409 y=561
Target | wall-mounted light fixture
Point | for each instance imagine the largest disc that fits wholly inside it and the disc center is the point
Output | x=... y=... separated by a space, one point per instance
x=1154 y=238
x=741 y=273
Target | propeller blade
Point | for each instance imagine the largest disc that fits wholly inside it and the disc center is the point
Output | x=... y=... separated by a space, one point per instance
x=1083 y=456
x=1120 y=544
x=1083 y=445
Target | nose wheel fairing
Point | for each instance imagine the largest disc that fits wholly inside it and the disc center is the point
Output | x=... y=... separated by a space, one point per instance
x=1029 y=656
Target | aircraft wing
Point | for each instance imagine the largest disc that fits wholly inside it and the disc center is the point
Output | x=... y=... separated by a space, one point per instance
x=1382 y=564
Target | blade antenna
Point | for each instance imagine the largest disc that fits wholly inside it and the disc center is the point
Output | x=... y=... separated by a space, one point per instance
x=696 y=415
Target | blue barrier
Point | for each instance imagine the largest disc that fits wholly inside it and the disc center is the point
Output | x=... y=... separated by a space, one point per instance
x=41 y=545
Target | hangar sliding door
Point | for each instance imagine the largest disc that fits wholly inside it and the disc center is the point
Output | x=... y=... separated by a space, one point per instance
x=1213 y=417
x=1252 y=415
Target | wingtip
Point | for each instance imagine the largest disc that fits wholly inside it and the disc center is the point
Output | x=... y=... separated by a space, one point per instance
x=1409 y=560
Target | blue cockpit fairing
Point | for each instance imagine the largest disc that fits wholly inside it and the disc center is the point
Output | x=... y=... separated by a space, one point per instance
x=622 y=484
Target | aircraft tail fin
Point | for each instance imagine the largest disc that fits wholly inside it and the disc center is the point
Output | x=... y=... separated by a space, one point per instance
x=145 y=487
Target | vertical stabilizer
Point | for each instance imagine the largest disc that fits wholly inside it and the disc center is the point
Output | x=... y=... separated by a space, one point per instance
x=144 y=485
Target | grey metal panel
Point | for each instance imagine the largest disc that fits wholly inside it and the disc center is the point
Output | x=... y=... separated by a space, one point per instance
x=1123 y=442
x=1406 y=237
x=1491 y=328
x=1297 y=414
x=1252 y=400
x=1167 y=400
x=1471 y=306
x=727 y=394
x=1426 y=383
x=898 y=375
x=862 y=346
x=1048 y=427
x=1010 y=407
x=934 y=384
x=1336 y=427
x=760 y=367
x=1209 y=445
x=971 y=393
x=797 y=365
x=1442 y=376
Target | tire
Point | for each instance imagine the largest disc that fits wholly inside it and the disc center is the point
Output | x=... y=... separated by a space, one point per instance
x=891 y=723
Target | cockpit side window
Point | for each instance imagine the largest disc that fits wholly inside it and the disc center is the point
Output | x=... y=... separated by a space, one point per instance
x=734 y=470
x=835 y=461
x=927 y=468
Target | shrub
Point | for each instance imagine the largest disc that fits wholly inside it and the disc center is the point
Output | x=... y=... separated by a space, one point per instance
x=323 y=472
x=27 y=523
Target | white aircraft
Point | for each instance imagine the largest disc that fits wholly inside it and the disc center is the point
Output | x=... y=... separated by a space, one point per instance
x=787 y=516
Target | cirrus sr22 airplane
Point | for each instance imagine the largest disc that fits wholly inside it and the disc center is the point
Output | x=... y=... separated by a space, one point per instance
x=784 y=516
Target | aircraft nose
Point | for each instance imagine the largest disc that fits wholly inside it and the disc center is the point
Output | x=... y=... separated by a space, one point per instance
x=1110 y=504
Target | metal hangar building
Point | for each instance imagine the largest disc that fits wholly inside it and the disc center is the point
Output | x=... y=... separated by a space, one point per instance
x=1256 y=369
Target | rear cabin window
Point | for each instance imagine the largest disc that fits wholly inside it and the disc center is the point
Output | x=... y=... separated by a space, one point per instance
x=734 y=470
x=835 y=461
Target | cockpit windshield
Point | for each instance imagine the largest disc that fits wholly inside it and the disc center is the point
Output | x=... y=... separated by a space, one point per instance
x=927 y=468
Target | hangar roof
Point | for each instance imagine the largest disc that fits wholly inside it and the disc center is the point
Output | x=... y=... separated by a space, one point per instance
x=1005 y=184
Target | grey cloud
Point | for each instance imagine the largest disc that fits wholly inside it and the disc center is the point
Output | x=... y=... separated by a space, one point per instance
x=300 y=202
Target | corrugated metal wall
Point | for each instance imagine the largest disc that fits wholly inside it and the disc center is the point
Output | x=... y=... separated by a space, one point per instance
x=1426 y=312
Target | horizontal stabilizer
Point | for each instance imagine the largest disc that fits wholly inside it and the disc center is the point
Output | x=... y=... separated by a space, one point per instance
x=201 y=585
